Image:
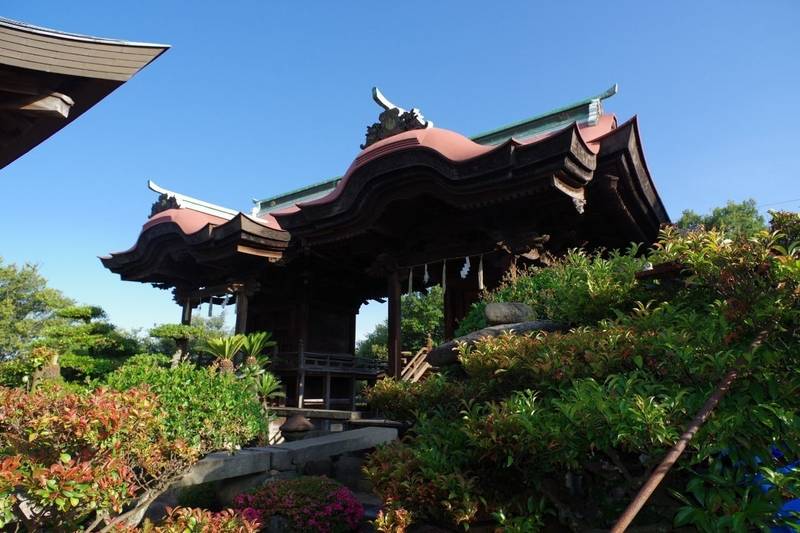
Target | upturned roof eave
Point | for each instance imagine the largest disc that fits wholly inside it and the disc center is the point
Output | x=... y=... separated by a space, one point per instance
x=58 y=34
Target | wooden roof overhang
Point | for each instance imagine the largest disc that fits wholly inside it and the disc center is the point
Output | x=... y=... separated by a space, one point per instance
x=623 y=206
x=556 y=168
x=49 y=78
x=167 y=256
x=417 y=197
x=417 y=206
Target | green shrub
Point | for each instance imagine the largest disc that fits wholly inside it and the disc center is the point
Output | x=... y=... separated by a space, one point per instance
x=148 y=359
x=207 y=409
x=403 y=400
x=14 y=371
x=559 y=430
x=579 y=288
x=75 y=367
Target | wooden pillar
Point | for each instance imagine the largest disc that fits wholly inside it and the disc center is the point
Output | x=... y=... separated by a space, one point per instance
x=241 y=310
x=449 y=309
x=301 y=374
x=353 y=391
x=303 y=309
x=352 y=332
x=186 y=316
x=394 y=369
x=327 y=401
x=449 y=316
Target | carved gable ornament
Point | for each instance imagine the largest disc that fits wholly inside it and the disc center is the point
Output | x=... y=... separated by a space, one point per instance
x=393 y=120
x=163 y=203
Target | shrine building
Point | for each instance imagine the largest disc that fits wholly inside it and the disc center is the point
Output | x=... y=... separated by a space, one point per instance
x=419 y=205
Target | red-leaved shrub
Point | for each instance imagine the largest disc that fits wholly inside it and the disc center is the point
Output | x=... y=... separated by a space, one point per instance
x=73 y=458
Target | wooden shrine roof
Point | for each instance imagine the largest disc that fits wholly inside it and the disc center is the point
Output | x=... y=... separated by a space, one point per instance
x=585 y=182
x=48 y=78
x=587 y=114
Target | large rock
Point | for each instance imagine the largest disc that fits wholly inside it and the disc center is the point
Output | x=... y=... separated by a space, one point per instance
x=446 y=354
x=507 y=313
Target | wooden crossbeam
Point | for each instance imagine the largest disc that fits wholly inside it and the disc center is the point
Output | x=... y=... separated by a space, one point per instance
x=249 y=250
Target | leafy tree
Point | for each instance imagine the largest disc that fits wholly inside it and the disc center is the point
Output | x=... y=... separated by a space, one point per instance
x=26 y=306
x=214 y=326
x=82 y=344
x=375 y=343
x=175 y=339
x=690 y=220
x=787 y=224
x=422 y=314
x=84 y=330
x=734 y=219
x=165 y=338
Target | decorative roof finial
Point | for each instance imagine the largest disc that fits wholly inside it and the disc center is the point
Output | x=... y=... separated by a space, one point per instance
x=393 y=120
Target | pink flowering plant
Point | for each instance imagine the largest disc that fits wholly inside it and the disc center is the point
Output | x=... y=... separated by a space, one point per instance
x=308 y=504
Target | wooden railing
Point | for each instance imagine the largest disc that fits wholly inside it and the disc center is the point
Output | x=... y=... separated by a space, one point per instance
x=417 y=366
x=321 y=362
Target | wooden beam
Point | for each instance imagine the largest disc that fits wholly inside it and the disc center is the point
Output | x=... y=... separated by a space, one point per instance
x=56 y=105
x=395 y=369
x=249 y=250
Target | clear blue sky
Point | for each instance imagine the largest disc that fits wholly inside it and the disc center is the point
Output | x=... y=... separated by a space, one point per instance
x=256 y=98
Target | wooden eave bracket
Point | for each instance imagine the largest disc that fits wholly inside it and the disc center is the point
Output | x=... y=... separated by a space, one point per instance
x=52 y=104
x=271 y=256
